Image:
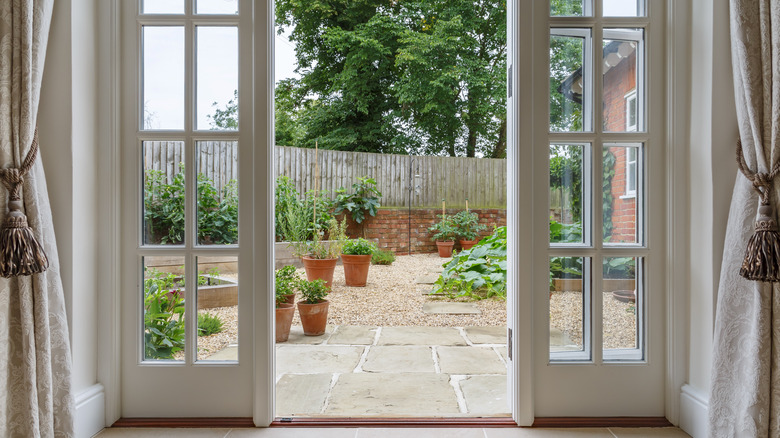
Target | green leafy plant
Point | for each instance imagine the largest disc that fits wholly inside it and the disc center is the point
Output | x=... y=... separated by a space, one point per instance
x=337 y=237
x=444 y=230
x=382 y=257
x=363 y=199
x=208 y=324
x=565 y=267
x=295 y=217
x=565 y=233
x=467 y=225
x=313 y=291
x=164 y=209
x=619 y=268
x=163 y=315
x=359 y=246
x=286 y=282
x=477 y=273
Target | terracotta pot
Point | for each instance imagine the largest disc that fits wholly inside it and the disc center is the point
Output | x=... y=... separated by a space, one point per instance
x=319 y=268
x=445 y=248
x=624 y=296
x=314 y=317
x=356 y=269
x=284 y=317
x=468 y=244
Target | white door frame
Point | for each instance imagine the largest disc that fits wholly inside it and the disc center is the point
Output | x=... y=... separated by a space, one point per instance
x=677 y=51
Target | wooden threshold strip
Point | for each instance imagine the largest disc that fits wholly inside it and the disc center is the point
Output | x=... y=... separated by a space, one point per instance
x=394 y=422
x=539 y=422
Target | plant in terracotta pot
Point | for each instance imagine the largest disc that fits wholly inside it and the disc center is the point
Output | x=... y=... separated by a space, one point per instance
x=286 y=282
x=313 y=309
x=321 y=257
x=356 y=256
x=467 y=228
x=444 y=233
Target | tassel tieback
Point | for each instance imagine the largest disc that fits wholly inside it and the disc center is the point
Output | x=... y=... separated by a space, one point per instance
x=20 y=251
x=762 y=255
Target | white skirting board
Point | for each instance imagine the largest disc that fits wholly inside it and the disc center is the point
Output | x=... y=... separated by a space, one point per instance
x=694 y=412
x=90 y=411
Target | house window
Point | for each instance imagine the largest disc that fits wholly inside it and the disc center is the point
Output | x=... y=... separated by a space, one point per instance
x=631 y=169
x=631 y=111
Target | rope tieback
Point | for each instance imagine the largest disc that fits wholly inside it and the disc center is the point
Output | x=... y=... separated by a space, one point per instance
x=762 y=255
x=20 y=252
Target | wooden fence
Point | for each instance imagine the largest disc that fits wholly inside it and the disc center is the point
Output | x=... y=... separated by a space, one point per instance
x=483 y=181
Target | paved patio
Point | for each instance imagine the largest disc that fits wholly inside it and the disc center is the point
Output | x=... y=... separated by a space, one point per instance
x=392 y=371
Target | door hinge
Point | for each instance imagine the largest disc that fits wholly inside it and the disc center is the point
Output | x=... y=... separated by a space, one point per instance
x=509 y=343
x=509 y=85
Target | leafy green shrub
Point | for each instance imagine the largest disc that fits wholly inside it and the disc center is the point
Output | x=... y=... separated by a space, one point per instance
x=565 y=233
x=444 y=230
x=294 y=216
x=286 y=282
x=313 y=291
x=163 y=315
x=467 y=225
x=359 y=246
x=164 y=209
x=619 y=268
x=383 y=257
x=208 y=324
x=477 y=273
x=364 y=199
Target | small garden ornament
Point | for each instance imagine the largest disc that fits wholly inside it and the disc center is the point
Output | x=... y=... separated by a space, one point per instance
x=20 y=252
x=762 y=256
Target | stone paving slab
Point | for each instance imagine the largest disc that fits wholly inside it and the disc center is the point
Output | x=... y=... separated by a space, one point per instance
x=420 y=336
x=503 y=352
x=229 y=353
x=297 y=336
x=399 y=359
x=485 y=395
x=312 y=359
x=469 y=360
x=486 y=335
x=353 y=335
x=451 y=308
x=418 y=394
x=302 y=394
x=427 y=279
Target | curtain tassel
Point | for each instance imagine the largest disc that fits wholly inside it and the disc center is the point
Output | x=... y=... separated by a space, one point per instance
x=762 y=256
x=20 y=251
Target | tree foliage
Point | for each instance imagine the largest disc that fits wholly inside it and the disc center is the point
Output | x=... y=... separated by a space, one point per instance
x=404 y=76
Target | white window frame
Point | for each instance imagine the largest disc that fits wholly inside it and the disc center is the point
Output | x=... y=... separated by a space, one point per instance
x=629 y=97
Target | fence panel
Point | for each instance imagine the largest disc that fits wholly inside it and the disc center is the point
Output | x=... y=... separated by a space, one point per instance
x=480 y=180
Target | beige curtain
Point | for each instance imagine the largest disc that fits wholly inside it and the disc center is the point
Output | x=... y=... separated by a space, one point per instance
x=745 y=390
x=35 y=362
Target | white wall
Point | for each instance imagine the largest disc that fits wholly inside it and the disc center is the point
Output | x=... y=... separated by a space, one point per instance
x=69 y=150
x=713 y=134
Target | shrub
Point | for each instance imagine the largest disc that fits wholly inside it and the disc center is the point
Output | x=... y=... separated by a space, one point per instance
x=359 y=246
x=313 y=291
x=477 y=273
x=383 y=257
x=286 y=282
x=164 y=209
x=208 y=324
x=163 y=315
x=364 y=199
x=294 y=216
x=444 y=229
x=467 y=225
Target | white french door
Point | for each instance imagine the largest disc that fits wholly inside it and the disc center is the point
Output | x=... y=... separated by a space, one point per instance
x=594 y=90
x=186 y=147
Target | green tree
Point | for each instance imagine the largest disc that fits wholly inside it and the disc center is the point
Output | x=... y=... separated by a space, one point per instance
x=226 y=118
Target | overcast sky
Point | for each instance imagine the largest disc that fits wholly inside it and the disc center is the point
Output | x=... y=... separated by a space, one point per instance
x=217 y=62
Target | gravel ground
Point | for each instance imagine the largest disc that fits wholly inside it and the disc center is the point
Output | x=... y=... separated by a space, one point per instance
x=392 y=298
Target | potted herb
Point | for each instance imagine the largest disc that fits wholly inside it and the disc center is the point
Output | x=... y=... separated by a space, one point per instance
x=321 y=259
x=313 y=309
x=286 y=282
x=467 y=228
x=444 y=233
x=356 y=256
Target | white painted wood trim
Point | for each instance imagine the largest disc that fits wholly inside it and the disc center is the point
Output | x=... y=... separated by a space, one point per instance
x=90 y=411
x=677 y=157
x=694 y=412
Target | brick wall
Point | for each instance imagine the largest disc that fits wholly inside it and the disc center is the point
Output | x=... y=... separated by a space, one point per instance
x=618 y=82
x=396 y=227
